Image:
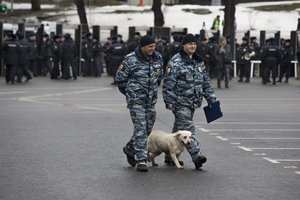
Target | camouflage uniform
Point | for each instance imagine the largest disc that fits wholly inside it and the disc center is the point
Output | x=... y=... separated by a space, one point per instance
x=138 y=79
x=185 y=84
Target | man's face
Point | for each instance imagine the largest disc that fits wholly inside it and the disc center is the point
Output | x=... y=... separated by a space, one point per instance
x=148 y=50
x=190 y=48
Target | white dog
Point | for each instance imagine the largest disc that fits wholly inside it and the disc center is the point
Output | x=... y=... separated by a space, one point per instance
x=173 y=144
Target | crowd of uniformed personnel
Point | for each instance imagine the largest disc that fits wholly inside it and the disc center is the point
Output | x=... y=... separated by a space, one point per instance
x=58 y=56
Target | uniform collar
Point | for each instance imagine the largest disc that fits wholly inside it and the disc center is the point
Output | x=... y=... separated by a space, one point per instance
x=196 y=57
x=140 y=55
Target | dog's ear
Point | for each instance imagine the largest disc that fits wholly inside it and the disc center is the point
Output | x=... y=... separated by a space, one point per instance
x=177 y=134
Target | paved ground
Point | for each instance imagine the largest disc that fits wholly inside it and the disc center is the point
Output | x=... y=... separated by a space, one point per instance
x=63 y=140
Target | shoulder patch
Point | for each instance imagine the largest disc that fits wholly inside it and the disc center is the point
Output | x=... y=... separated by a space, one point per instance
x=168 y=69
x=121 y=67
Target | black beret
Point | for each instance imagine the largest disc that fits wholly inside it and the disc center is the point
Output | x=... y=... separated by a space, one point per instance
x=245 y=38
x=146 y=40
x=67 y=35
x=31 y=34
x=45 y=35
x=88 y=34
x=188 y=38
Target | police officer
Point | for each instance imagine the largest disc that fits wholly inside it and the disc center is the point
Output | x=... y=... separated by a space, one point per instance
x=56 y=53
x=68 y=57
x=271 y=59
x=254 y=46
x=132 y=45
x=11 y=51
x=205 y=51
x=87 y=55
x=243 y=60
x=97 y=54
x=46 y=55
x=106 y=47
x=33 y=54
x=212 y=45
x=174 y=47
x=116 y=53
x=138 y=78
x=185 y=84
x=286 y=58
x=23 y=65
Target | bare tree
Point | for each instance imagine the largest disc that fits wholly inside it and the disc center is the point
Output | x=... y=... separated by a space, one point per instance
x=229 y=22
x=82 y=14
x=229 y=17
x=158 y=14
x=35 y=5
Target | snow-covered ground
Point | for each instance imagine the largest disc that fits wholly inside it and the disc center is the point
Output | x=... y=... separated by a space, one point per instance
x=246 y=18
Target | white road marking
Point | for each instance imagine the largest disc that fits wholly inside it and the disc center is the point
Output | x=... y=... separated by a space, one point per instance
x=222 y=138
x=252 y=130
x=288 y=160
x=290 y=167
x=297 y=172
x=204 y=130
x=260 y=99
x=32 y=98
x=12 y=92
x=271 y=160
x=272 y=148
x=262 y=148
x=94 y=108
x=235 y=143
x=245 y=148
x=260 y=154
x=255 y=123
x=240 y=138
x=39 y=99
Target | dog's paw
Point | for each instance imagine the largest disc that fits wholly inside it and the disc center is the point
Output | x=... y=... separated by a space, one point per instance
x=179 y=167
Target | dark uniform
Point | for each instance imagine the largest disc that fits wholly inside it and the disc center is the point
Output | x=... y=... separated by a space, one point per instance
x=212 y=45
x=97 y=54
x=271 y=59
x=56 y=54
x=285 y=64
x=254 y=46
x=115 y=53
x=23 y=62
x=174 y=48
x=206 y=52
x=68 y=57
x=46 y=55
x=11 y=51
x=87 y=55
x=132 y=45
x=33 y=55
x=243 y=63
x=106 y=47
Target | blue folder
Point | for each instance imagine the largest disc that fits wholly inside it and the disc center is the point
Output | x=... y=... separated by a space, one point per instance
x=213 y=112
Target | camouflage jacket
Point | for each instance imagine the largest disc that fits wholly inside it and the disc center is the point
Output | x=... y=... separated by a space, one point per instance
x=139 y=78
x=186 y=82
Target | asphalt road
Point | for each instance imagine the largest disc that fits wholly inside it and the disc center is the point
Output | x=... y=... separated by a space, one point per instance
x=62 y=140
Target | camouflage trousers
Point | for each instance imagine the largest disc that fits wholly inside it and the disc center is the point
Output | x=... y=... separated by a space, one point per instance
x=184 y=121
x=143 y=118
